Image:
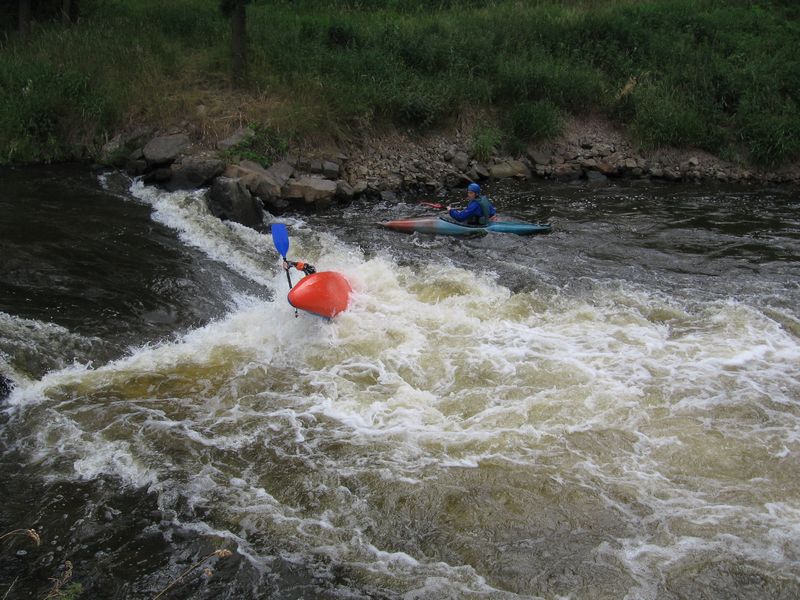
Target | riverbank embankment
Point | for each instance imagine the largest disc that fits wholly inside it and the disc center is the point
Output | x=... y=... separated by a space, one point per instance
x=395 y=164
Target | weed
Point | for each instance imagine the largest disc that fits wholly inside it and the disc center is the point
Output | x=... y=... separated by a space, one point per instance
x=528 y=121
x=265 y=146
x=484 y=142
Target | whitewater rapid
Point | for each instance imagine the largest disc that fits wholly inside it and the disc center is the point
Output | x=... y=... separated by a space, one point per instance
x=447 y=436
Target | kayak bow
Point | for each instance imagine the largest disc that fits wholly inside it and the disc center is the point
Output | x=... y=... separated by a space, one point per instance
x=326 y=294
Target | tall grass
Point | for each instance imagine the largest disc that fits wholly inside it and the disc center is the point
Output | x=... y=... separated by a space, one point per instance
x=718 y=75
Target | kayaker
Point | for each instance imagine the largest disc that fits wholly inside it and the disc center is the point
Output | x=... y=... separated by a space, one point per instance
x=479 y=208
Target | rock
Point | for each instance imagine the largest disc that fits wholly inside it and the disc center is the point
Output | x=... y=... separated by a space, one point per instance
x=595 y=177
x=607 y=169
x=266 y=184
x=603 y=150
x=281 y=171
x=630 y=164
x=229 y=199
x=344 y=189
x=165 y=149
x=310 y=189
x=330 y=169
x=194 y=172
x=461 y=161
x=6 y=385
x=134 y=168
x=159 y=175
x=113 y=152
x=360 y=187
x=482 y=171
x=389 y=197
x=566 y=172
x=511 y=168
x=538 y=158
x=241 y=135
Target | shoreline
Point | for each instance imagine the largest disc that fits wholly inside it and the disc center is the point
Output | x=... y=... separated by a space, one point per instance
x=386 y=165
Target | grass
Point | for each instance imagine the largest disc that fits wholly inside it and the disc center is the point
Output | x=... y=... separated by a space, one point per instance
x=265 y=146
x=722 y=76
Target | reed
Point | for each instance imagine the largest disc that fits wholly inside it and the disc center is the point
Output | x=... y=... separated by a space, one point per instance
x=29 y=533
x=721 y=75
x=207 y=571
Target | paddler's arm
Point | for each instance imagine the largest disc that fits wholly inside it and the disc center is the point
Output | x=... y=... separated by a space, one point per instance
x=300 y=266
x=473 y=208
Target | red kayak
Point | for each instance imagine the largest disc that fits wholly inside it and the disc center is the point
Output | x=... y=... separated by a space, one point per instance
x=326 y=294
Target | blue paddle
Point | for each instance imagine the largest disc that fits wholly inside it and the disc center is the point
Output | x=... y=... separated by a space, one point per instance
x=280 y=238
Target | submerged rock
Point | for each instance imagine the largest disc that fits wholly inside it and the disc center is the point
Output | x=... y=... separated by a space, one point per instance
x=6 y=385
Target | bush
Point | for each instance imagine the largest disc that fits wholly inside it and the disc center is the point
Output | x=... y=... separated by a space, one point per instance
x=46 y=111
x=772 y=137
x=265 y=146
x=484 y=141
x=662 y=117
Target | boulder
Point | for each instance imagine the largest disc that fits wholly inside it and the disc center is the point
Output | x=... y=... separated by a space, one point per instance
x=330 y=169
x=567 y=172
x=344 y=189
x=481 y=171
x=510 y=168
x=389 y=197
x=607 y=169
x=538 y=158
x=159 y=175
x=595 y=177
x=282 y=171
x=267 y=184
x=165 y=149
x=310 y=189
x=194 y=172
x=229 y=199
x=461 y=161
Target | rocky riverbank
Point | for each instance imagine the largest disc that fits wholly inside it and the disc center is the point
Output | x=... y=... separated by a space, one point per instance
x=391 y=165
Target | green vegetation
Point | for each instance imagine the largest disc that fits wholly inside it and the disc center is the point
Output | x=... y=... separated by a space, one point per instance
x=484 y=141
x=723 y=76
x=265 y=146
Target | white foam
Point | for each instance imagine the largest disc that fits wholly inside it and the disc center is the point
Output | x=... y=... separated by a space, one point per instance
x=438 y=372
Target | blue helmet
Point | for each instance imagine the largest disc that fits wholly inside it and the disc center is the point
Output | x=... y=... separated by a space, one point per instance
x=474 y=187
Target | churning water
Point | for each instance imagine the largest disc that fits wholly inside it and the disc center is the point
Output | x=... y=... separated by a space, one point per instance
x=608 y=411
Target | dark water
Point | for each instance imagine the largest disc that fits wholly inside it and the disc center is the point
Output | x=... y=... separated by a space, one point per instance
x=91 y=261
x=607 y=411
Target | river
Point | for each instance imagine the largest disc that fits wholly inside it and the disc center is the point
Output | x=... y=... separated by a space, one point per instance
x=611 y=410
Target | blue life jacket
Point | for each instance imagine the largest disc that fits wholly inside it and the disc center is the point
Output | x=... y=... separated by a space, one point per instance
x=477 y=212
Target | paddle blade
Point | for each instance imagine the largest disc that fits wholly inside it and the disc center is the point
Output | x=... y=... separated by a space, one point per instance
x=280 y=237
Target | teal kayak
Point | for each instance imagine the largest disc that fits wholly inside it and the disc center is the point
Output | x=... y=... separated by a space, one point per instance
x=447 y=226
